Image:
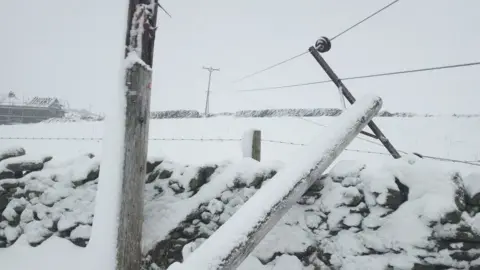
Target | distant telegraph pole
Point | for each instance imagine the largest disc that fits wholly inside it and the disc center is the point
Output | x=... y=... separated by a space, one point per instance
x=207 y=101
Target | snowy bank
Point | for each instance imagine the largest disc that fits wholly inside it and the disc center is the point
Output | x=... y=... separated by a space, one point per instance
x=402 y=214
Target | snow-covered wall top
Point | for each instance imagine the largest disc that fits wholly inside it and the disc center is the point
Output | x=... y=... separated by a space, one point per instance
x=314 y=112
x=78 y=116
x=400 y=215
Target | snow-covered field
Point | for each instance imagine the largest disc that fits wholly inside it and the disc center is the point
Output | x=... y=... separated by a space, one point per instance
x=448 y=137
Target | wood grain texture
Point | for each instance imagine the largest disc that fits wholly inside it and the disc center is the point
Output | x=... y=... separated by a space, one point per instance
x=129 y=235
x=140 y=39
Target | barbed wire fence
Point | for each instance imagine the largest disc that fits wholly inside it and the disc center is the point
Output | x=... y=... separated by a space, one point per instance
x=98 y=139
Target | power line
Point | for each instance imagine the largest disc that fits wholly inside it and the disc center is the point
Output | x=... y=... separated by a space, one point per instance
x=270 y=67
x=364 y=20
x=305 y=52
x=364 y=76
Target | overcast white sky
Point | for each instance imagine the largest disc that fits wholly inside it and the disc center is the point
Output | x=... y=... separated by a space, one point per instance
x=67 y=49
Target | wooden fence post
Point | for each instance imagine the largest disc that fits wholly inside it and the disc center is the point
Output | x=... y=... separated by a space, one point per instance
x=234 y=240
x=252 y=144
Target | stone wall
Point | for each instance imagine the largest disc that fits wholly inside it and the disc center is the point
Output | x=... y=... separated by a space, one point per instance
x=403 y=215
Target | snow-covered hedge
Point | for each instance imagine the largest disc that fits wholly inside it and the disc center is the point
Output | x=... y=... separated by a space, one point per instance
x=175 y=114
x=289 y=112
x=78 y=116
x=400 y=215
x=314 y=112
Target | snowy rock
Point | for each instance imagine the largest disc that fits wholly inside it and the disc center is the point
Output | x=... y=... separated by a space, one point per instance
x=80 y=235
x=51 y=196
x=215 y=207
x=22 y=164
x=7 y=184
x=313 y=221
x=27 y=216
x=353 y=220
x=13 y=210
x=152 y=163
x=190 y=247
x=472 y=185
x=5 y=197
x=11 y=152
x=201 y=177
x=67 y=223
x=346 y=169
x=457 y=232
x=287 y=262
x=12 y=234
x=5 y=174
x=226 y=196
x=283 y=239
x=86 y=174
x=36 y=233
x=206 y=217
x=165 y=172
x=252 y=262
x=175 y=186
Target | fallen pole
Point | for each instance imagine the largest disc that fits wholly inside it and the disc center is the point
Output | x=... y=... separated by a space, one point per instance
x=236 y=239
x=377 y=133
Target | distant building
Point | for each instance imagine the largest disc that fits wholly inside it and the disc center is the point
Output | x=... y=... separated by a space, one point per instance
x=48 y=102
x=12 y=110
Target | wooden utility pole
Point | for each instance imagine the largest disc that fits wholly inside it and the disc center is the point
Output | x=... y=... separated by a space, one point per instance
x=140 y=43
x=324 y=45
x=207 y=101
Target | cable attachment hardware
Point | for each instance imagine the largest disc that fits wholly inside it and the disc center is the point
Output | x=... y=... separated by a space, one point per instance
x=323 y=45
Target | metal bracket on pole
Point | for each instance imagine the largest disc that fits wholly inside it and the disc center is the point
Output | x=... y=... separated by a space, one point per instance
x=324 y=45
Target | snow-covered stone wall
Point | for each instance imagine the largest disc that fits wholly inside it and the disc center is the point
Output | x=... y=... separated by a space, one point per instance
x=399 y=215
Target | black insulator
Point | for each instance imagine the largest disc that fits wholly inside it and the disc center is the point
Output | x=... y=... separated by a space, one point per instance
x=323 y=44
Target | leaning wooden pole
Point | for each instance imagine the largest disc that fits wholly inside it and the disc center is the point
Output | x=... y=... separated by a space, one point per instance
x=140 y=40
x=323 y=45
x=234 y=240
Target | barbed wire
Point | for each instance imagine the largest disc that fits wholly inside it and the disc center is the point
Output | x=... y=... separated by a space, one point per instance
x=468 y=162
x=100 y=139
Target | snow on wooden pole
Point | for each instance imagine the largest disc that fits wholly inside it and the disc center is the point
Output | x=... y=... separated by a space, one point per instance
x=117 y=227
x=139 y=57
x=252 y=144
x=232 y=242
